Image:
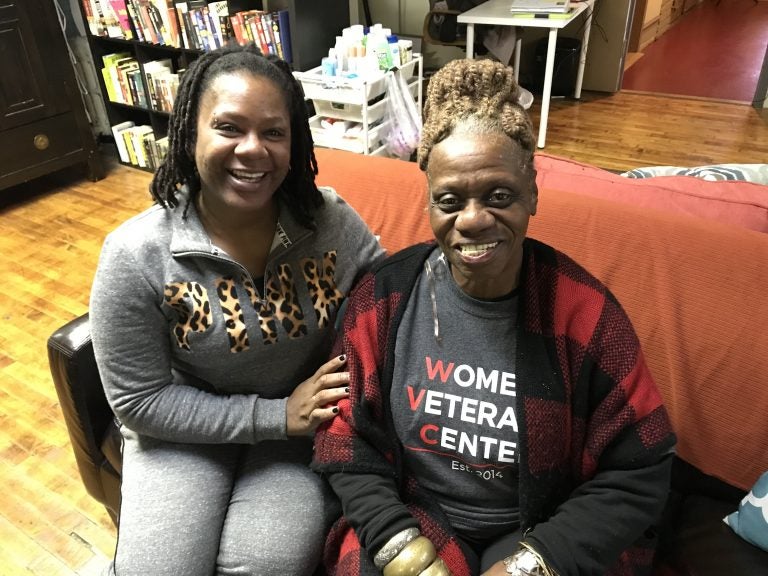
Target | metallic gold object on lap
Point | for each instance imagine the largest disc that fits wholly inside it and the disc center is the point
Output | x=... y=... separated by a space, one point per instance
x=394 y=545
x=437 y=568
x=412 y=559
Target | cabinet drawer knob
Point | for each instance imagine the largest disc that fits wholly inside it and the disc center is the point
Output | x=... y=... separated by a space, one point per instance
x=41 y=142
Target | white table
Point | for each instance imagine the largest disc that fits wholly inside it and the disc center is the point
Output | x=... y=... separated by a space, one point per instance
x=496 y=12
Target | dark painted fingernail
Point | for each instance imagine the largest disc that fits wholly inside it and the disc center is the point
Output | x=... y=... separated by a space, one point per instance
x=342 y=357
x=335 y=409
x=346 y=390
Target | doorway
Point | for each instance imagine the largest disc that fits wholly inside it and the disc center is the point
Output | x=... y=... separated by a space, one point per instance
x=714 y=50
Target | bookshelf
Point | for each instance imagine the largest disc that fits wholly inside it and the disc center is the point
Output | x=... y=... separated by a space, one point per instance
x=139 y=46
x=313 y=28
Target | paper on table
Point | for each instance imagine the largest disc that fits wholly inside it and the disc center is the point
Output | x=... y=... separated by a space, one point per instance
x=540 y=6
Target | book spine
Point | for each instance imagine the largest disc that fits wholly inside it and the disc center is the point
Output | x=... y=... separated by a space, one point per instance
x=120 y=9
x=284 y=21
x=276 y=35
x=249 y=29
x=266 y=25
x=173 y=22
x=89 y=18
x=189 y=22
x=147 y=140
x=152 y=96
x=284 y=24
x=122 y=151
x=133 y=12
x=227 y=31
x=260 y=34
x=204 y=31
x=109 y=84
x=156 y=22
x=183 y=37
x=212 y=26
x=150 y=35
x=133 y=90
x=120 y=95
x=181 y=14
x=96 y=24
x=237 y=28
x=163 y=22
x=220 y=13
x=138 y=148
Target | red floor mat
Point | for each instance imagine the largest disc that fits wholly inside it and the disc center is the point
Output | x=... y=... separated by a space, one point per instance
x=715 y=50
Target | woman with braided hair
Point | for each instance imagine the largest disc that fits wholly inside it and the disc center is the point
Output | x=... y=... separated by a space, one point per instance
x=501 y=418
x=212 y=316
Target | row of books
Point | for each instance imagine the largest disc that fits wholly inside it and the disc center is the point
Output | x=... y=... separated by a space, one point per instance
x=138 y=145
x=191 y=24
x=123 y=80
x=269 y=30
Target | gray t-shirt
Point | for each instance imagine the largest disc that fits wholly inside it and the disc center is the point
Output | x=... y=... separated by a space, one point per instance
x=453 y=402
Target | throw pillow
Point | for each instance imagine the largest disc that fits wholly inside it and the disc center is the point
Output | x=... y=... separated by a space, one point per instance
x=757 y=173
x=750 y=521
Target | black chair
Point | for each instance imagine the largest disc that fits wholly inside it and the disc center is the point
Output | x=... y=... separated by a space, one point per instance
x=92 y=427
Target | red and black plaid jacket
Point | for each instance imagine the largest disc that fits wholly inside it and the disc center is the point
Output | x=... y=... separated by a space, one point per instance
x=595 y=442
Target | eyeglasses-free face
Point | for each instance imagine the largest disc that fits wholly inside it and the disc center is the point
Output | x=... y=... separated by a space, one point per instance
x=243 y=145
x=481 y=197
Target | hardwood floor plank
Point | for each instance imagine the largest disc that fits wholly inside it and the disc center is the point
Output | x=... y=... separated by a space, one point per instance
x=39 y=506
x=628 y=130
x=22 y=555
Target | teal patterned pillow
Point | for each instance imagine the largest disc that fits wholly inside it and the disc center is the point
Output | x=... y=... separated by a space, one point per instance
x=757 y=173
x=750 y=521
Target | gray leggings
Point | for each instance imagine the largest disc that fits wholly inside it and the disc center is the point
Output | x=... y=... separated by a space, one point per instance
x=225 y=509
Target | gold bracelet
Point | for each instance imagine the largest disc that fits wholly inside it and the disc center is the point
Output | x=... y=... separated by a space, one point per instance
x=394 y=545
x=414 y=558
x=437 y=568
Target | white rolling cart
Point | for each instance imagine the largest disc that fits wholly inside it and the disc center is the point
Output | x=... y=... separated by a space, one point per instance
x=357 y=100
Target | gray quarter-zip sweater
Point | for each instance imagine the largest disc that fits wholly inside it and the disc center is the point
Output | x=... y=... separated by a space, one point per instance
x=191 y=349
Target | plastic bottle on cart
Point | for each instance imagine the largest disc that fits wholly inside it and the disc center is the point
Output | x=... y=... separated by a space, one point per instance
x=379 y=45
x=340 y=49
x=328 y=63
x=406 y=50
x=370 y=63
x=394 y=50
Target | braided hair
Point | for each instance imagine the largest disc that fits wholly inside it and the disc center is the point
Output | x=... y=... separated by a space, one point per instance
x=474 y=96
x=298 y=191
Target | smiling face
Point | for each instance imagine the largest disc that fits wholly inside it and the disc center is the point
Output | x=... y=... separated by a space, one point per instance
x=480 y=200
x=243 y=145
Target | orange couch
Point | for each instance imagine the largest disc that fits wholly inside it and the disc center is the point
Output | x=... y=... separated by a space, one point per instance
x=695 y=288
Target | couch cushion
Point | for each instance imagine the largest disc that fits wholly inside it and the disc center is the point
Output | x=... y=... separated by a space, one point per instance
x=738 y=203
x=702 y=545
x=696 y=293
x=389 y=194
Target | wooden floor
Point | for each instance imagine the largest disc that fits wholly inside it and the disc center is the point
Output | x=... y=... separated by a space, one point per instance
x=714 y=50
x=52 y=230
x=630 y=129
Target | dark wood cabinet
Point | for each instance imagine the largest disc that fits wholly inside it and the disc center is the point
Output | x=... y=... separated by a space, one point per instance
x=43 y=125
